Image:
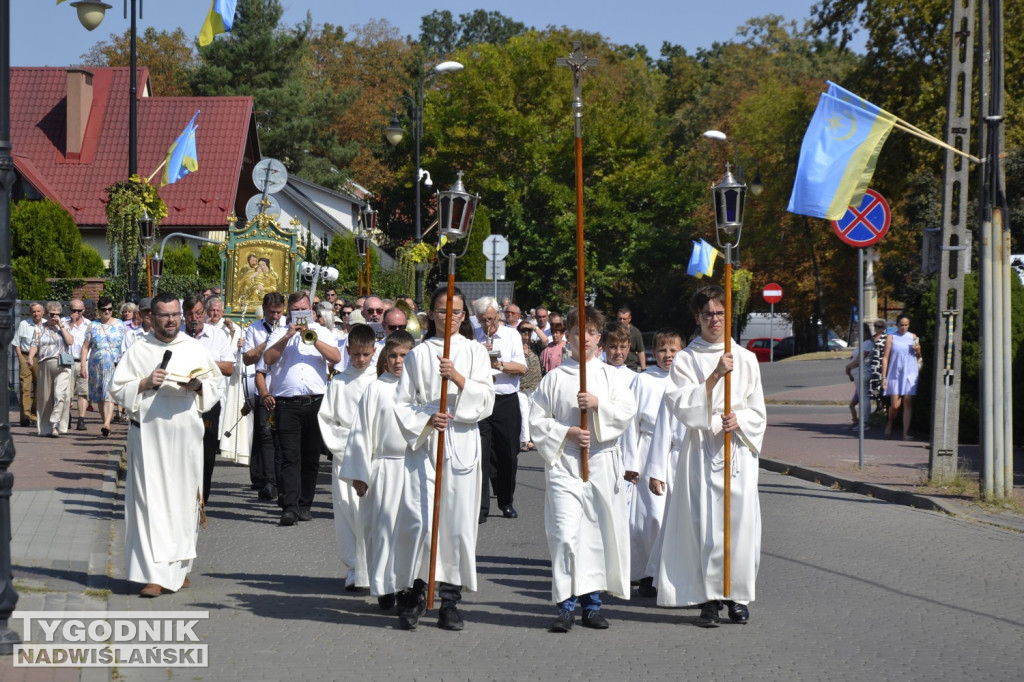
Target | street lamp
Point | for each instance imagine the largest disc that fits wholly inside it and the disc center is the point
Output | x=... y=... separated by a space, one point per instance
x=757 y=186
x=394 y=134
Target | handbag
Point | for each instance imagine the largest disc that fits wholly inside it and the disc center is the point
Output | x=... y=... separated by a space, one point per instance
x=65 y=360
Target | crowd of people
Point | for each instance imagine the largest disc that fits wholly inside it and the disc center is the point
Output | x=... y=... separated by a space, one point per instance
x=401 y=405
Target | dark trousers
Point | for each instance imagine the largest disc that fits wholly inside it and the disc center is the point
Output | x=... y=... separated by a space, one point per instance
x=499 y=440
x=211 y=446
x=265 y=459
x=298 y=432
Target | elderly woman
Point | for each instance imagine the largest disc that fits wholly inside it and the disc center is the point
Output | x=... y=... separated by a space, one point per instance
x=102 y=347
x=51 y=339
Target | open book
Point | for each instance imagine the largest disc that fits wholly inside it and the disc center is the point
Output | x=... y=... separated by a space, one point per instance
x=197 y=373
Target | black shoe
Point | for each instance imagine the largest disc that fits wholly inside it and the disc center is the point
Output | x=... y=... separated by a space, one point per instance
x=26 y=422
x=483 y=517
x=105 y=431
x=709 y=614
x=288 y=518
x=449 y=619
x=81 y=424
x=414 y=609
x=267 y=492
x=305 y=515
x=738 y=613
x=647 y=588
x=386 y=602
x=509 y=512
x=592 y=618
x=255 y=486
x=564 y=621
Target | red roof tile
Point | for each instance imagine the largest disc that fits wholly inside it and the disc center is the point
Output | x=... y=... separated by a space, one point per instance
x=200 y=200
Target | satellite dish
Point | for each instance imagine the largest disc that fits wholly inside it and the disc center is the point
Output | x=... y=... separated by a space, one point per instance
x=252 y=207
x=269 y=176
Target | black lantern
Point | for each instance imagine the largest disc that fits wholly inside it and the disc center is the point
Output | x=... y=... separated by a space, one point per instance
x=369 y=218
x=457 y=208
x=362 y=244
x=729 y=197
x=146 y=226
x=156 y=270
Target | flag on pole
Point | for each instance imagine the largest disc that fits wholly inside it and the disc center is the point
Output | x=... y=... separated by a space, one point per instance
x=182 y=158
x=838 y=156
x=218 y=20
x=702 y=260
x=692 y=268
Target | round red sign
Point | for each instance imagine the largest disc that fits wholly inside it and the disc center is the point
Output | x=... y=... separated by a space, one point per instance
x=772 y=293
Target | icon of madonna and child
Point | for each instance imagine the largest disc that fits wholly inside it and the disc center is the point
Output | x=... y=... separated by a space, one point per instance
x=255 y=278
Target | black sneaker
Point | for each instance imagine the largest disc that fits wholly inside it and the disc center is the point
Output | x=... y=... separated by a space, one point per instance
x=564 y=621
x=647 y=588
x=449 y=619
x=738 y=613
x=386 y=602
x=592 y=618
x=709 y=614
x=415 y=608
x=81 y=424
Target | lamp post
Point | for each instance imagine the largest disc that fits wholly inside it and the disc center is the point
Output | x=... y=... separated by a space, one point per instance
x=395 y=132
x=368 y=223
x=728 y=198
x=8 y=296
x=456 y=209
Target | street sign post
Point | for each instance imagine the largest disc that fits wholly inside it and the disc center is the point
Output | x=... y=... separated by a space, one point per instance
x=865 y=224
x=495 y=247
x=772 y=294
x=495 y=270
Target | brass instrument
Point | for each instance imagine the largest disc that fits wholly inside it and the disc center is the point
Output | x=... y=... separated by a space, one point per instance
x=309 y=336
x=412 y=322
x=302 y=319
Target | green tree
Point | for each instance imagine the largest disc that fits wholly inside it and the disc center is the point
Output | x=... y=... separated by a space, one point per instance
x=168 y=56
x=45 y=242
x=441 y=35
x=209 y=263
x=342 y=254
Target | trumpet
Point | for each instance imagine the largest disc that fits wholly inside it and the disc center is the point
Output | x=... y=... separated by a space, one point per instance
x=309 y=336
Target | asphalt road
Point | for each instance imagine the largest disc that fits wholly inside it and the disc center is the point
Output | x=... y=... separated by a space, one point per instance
x=790 y=375
x=849 y=588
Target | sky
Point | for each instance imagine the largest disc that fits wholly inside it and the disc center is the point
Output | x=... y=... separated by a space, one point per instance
x=46 y=34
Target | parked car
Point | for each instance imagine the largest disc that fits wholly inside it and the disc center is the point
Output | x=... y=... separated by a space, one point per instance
x=785 y=348
x=761 y=348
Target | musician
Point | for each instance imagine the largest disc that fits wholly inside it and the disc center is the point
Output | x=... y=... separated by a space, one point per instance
x=297 y=372
x=215 y=341
x=265 y=461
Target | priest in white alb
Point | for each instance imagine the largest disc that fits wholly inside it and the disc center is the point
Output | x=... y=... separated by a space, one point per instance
x=690 y=551
x=165 y=380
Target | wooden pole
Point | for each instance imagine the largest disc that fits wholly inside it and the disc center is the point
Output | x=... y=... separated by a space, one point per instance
x=439 y=465
x=727 y=473
x=368 y=270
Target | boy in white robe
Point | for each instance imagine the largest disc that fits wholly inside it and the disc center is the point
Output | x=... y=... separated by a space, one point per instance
x=417 y=401
x=645 y=508
x=337 y=415
x=165 y=447
x=375 y=466
x=690 y=549
x=586 y=521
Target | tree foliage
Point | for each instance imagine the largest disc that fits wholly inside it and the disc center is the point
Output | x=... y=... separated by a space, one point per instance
x=45 y=242
x=441 y=35
x=168 y=56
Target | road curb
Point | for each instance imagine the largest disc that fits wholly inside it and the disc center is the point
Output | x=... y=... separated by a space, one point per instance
x=881 y=492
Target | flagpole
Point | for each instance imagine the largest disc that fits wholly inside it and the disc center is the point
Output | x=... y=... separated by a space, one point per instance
x=578 y=62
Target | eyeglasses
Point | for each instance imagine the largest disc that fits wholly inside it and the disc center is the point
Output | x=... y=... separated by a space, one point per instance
x=396 y=327
x=53 y=314
x=716 y=315
x=375 y=311
x=455 y=313
x=345 y=313
x=513 y=312
x=107 y=309
x=78 y=310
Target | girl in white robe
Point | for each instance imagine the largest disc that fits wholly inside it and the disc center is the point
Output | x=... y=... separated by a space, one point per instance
x=646 y=509
x=690 y=550
x=586 y=521
x=417 y=402
x=375 y=466
x=337 y=416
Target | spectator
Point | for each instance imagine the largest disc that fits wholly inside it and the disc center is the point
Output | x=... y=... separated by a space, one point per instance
x=636 y=360
x=100 y=352
x=552 y=356
x=22 y=343
x=527 y=385
x=78 y=325
x=50 y=350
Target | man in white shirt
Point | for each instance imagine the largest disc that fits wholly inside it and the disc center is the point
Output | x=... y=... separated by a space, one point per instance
x=215 y=341
x=22 y=343
x=77 y=324
x=499 y=433
x=265 y=461
x=298 y=379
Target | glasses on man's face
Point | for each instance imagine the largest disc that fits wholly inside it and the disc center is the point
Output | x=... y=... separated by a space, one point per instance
x=166 y=316
x=455 y=313
x=375 y=311
x=714 y=315
x=512 y=312
x=345 y=313
x=78 y=310
x=53 y=314
x=396 y=327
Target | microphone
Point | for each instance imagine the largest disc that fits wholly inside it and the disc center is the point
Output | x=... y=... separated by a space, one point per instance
x=163 y=363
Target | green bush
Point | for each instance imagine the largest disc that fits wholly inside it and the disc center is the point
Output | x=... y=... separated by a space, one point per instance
x=45 y=242
x=92 y=262
x=209 y=263
x=924 y=319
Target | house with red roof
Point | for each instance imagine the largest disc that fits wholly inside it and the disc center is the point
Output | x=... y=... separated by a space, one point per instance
x=69 y=137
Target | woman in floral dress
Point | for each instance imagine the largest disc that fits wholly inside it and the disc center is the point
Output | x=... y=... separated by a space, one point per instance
x=103 y=348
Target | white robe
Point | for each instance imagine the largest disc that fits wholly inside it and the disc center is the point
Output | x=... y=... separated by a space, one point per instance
x=376 y=456
x=646 y=509
x=417 y=399
x=238 y=446
x=337 y=415
x=689 y=553
x=165 y=458
x=586 y=522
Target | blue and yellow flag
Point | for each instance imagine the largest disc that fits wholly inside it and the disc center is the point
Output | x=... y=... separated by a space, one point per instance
x=702 y=260
x=838 y=156
x=182 y=157
x=219 y=20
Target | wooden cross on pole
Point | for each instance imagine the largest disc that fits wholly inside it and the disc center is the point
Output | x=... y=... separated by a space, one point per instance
x=579 y=62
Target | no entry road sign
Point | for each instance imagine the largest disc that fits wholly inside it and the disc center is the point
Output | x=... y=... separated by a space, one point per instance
x=865 y=224
x=772 y=293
